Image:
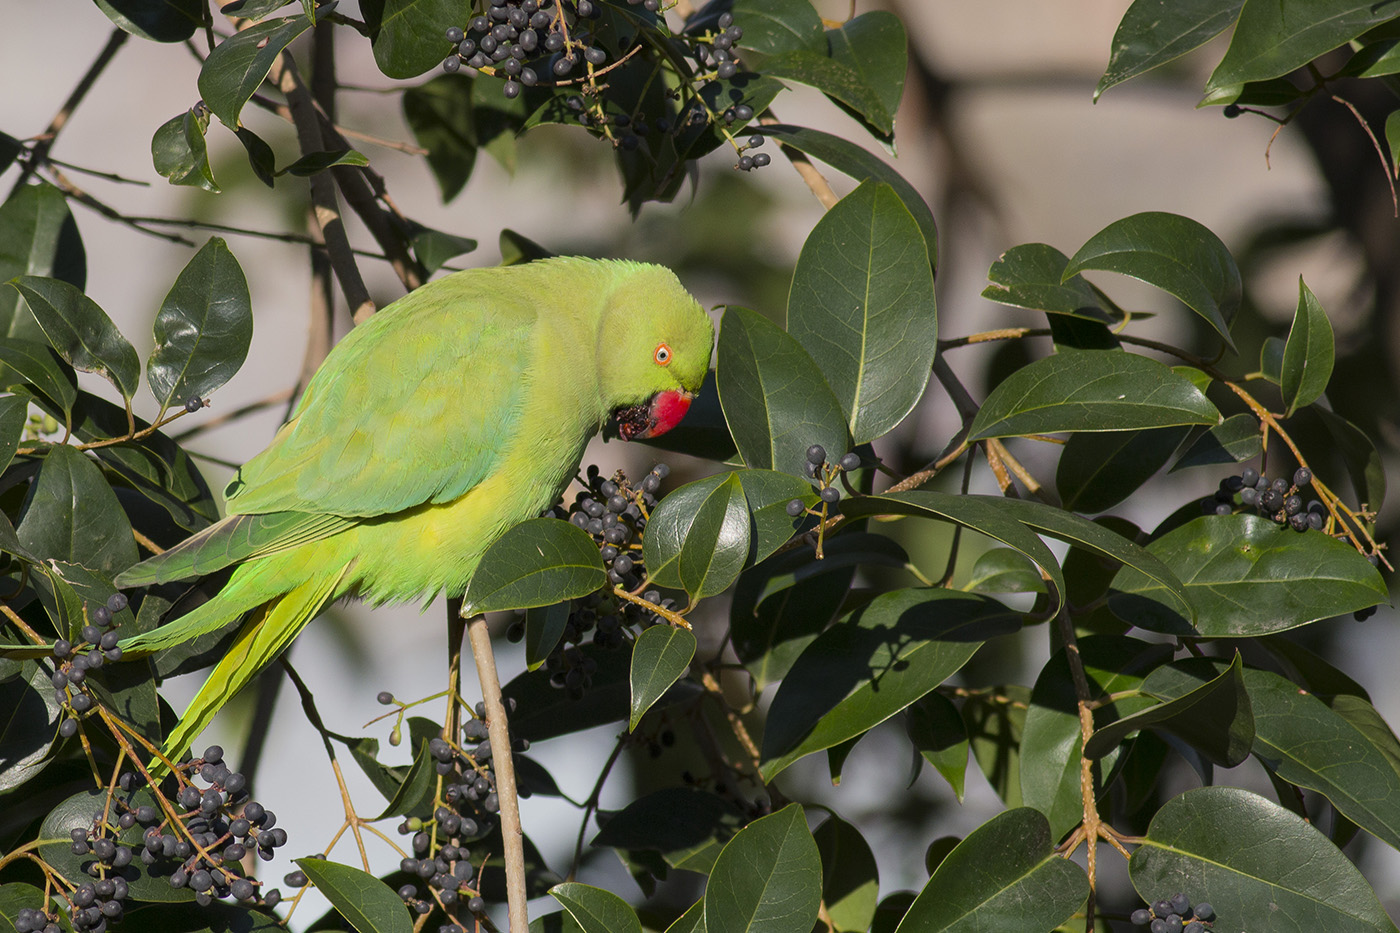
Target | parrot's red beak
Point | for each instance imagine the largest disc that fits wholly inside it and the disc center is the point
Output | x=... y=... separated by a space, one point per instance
x=662 y=413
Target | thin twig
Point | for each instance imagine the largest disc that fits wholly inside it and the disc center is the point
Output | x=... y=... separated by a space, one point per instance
x=1380 y=154
x=498 y=731
x=276 y=398
x=815 y=180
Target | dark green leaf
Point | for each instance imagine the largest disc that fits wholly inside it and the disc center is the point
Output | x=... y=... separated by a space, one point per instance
x=862 y=304
x=660 y=656
x=440 y=115
x=29 y=718
x=769 y=633
x=1174 y=253
x=775 y=399
x=692 y=921
x=1307 y=354
x=686 y=825
x=203 y=328
x=314 y=162
x=37 y=237
x=1246 y=576
x=236 y=66
x=74 y=516
x=1003 y=570
x=779 y=26
x=544 y=711
x=767 y=494
x=596 y=910
x=936 y=728
x=76 y=812
x=845 y=156
x=157 y=20
x=36 y=364
x=768 y=879
x=1354 y=763
x=369 y=904
x=260 y=156
x=415 y=792
x=1032 y=276
x=536 y=563
x=1271 y=359
x=850 y=877
x=179 y=153
x=1091 y=390
x=1355 y=449
x=874 y=46
x=1153 y=33
x=1392 y=136
x=1273 y=38
x=409 y=39
x=252 y=9
x=14 y=412
x=1206 y=708
x=698 y=538
x=1099 y=470
x=1004 y=876
x=872 y=664
x=1052 y=736
x=433 y=248
x=544 y=626
x=1243 y=854
x=1233 y=440
x=995 y=718
x=81 y=332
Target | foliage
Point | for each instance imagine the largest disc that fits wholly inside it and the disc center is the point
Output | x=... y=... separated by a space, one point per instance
x=800 y=557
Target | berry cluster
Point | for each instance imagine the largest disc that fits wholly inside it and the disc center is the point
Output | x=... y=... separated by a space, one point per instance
x=201 y=847
x=528 y=42
x=73 y=662
x=1175 y=915
x=826 y=475
x=1275 y=499
x=33 y=920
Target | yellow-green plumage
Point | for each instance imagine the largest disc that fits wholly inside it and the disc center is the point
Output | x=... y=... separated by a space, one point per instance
x=452 y=414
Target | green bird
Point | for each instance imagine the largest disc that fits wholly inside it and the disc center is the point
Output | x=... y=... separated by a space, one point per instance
x=454 y=413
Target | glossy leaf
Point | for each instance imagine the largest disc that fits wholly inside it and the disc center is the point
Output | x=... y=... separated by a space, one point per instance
x=847 y=157
x=874 y=663
x=37 y=365
x=936 y=728
x=179 y=153
x=1003 y=570
x=1174 y=253
x=1307 y=354
x=260 y=156
x=156 y=20
x=1246 y=576
x=81 y=332
x=14 y=411
x=1359 y=453
x=407 y=35
x=536 y=563
x=73 y=515
x=440 y=115
x=368 y=904
x=660 y=656
x=1233 y=440
x=414 y=794
x=766 y=495
x=1097 y=471
x=692 y=921
x=544 y=626
x=1208 y=710
x=1091 y=390
x=544 y=711
x=862 y=304
x=38 y=236
x=29 y=717
x=1032 y=276
x=687 y=826
x=768 y=879
x=850 y=877
x=1052 y=738
x=698 y=538
x=1004 y=876
x=1153 y=33
x=1353 y=762
x=1251 y=858
x=315 y=162
x=203 y=328
x=433 y=248
x=1273 y=37
x=775 y=399
x=237 y=66
x=862 y=67
x=596 y=910
x=779 y=25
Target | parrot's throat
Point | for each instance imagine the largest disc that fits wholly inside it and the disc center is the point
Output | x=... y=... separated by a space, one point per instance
x=652 y=418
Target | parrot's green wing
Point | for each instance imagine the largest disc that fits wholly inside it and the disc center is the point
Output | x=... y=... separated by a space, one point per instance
x=230 y=541
x=445 y=366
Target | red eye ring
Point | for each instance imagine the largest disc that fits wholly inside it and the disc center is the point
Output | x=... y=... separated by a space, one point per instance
x=662 y=355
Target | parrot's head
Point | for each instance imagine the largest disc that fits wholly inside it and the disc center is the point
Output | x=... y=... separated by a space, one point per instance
x=655 y=350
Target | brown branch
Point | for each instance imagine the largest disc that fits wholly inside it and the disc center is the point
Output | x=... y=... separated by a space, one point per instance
x=815 y=180
x=73 y=192
x=1380 y=154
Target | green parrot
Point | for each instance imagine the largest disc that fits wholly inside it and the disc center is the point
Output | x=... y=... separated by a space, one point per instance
x=454 y=413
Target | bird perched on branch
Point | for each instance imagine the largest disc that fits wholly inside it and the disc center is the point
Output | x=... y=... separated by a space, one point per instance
x=454 y=413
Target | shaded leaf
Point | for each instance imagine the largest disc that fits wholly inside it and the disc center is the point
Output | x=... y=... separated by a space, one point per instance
x=28 y=363
x=14 y=412
x=688 y=826
x=660 y=656
x=38 y=236
x=440 y=114
x=768 y=879
x=81 y=332
x=156 y=20
x=1003 y=570
x=535 y=563
x=74 y=516
x=203 y=327
x=433 y=248
x=179 y=153
x=29 y=718
x=544 y=626
x=995 y=719
x=850 y=877
x=862 y=304
x=1004 y=876
x=260 y=157
x=1233 y=440
x=1307 y=354
x=1097 y=471
x=1091 y=390
x=1174 y=253
x=1225 y=845
x=936 y=728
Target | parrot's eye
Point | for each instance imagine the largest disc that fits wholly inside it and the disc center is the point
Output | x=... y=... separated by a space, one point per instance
x=662 y=356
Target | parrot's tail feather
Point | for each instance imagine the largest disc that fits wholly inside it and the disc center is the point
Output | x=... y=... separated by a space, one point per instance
x=230 y=603
x=264 y=637
x=234 y=539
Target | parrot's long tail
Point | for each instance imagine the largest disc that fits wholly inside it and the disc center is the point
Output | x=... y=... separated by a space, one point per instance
x=267 y=632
